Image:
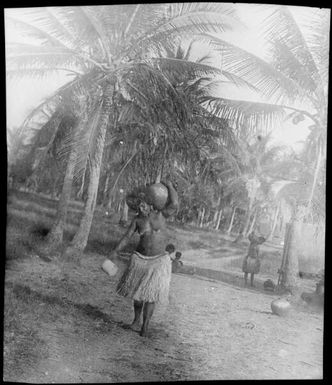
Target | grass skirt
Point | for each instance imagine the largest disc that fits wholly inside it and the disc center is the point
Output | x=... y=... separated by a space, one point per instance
x=146 y=278
x=251 y=265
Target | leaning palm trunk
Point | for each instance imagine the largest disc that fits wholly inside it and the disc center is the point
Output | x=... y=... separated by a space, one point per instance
x=80 y=239
x=244 y=229
x=274 y=224
x=314 y=183
x=248 y=217
x=55 y=236
x=218 y=219
x=232 y=220
x=253 y=222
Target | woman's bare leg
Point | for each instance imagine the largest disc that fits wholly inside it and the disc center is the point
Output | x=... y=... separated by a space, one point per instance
x=147 y=314
x=138 y=306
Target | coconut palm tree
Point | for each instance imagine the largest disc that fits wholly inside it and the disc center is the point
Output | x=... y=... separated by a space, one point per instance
x=108 y=46
x=294 y=80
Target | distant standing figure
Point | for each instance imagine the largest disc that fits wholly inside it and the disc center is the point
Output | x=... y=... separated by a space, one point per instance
x=176 y=263
x=251 y=263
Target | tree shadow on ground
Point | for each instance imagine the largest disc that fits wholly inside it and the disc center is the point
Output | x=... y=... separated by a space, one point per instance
x=27 y=294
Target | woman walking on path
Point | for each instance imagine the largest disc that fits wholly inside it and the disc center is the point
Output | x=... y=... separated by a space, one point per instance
x=146 y=279
x=251 y=263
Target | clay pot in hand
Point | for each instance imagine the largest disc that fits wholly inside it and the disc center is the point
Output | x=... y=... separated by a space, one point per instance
x=109 y=267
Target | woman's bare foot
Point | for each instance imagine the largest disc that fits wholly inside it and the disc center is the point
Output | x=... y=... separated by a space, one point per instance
x=134 y=326
x=144 y=333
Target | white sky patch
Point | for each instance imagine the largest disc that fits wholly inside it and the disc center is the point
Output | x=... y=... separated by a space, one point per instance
x=26 y=94
x=291 y=134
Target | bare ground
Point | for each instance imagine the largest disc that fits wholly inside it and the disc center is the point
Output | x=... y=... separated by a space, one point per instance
x=63 y=322
x=209 y=331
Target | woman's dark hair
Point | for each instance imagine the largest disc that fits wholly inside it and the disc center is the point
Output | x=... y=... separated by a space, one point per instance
x=135 y=197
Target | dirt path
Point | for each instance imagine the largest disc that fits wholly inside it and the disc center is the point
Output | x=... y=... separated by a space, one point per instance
x=210 y=331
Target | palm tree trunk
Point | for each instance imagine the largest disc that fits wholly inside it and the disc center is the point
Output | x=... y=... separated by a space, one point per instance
x=205 y=218
x=313 y=187
x=119 y=205
x=218 y=219
x=124 y=215
x=215 y=218
x=252 y=223
x=244 y=229
x=291 y=253
x=291 y=266
x=110 y=202
x=105 y=190
x=201 y=217
x=80 y=239
x=55 y=236
x=274 y=223
x=247 y=222
x=232 y=220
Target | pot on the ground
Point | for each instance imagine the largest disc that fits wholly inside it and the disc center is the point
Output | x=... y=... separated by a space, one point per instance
x=280 y=307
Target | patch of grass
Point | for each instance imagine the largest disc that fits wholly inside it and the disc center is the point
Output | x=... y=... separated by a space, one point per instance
x=40 y=230
x=198 y=245
x=23 y=237
x=16 y=250
x=57 y=303
x=23 y=346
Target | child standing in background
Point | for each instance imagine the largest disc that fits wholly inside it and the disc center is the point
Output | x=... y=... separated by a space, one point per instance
x=176 y=263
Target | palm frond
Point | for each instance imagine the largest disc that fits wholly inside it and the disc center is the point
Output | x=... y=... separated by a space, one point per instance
x=258 y=72
x=37 y=72
x=154 y=90
x=318 y=42
x=280 y=26
x=185 y=67
x=99 y=30
x=83 y=141
x=237 y=81
x=34 y=32
x=29 y=56
x=187 y=19
x=37 y=117
x=188 y=52
x=48 y=19
x=249 y=114
x=76 y=20
x=288 y=64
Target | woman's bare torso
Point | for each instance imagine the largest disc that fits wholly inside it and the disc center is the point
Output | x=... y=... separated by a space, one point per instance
x=152 y=234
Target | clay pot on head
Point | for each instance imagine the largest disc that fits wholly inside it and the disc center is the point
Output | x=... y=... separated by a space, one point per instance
x=281 y=307
x=157 y=195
